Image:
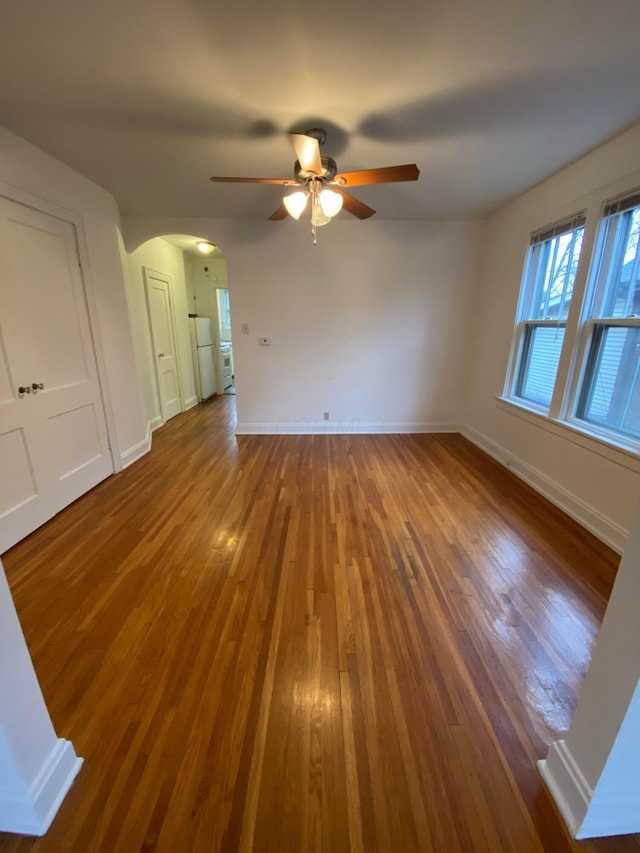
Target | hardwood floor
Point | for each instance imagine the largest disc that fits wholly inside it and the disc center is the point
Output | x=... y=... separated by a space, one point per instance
x=300 y=643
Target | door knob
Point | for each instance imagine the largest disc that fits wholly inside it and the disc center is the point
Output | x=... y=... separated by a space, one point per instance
x=24 y=389
x=37 y=386
x=160 y=355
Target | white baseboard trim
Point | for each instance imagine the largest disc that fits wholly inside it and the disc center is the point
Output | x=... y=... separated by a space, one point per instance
x=138 y=450
x=190 y=403
x=567 y=785
x=599 y=524
x=336 y=428
x=31 y=813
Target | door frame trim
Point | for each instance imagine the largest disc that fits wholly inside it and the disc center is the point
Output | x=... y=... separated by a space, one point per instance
x=28 y=199
x=148 y=273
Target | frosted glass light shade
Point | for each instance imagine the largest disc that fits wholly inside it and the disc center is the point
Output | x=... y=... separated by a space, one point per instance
x=318 y=216
x=295 y=203
x=331 y=202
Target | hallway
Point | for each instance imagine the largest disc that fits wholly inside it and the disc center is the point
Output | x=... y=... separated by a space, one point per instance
x=297 y=643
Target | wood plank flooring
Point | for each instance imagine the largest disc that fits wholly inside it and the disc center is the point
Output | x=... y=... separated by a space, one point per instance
x=309 y=643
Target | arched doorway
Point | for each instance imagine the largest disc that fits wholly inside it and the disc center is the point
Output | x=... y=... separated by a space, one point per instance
x=178 y=290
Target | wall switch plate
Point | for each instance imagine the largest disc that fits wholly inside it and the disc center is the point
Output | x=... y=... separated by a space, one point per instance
x=325 y=415
x=245 y=328
x=265 y=342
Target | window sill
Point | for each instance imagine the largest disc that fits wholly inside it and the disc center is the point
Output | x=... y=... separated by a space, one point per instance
x=616 y=452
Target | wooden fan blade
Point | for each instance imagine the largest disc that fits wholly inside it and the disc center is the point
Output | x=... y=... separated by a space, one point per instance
x=307 y=151
x=284 y=182
x=280 y=213
x=386 y=175
x=354 y=206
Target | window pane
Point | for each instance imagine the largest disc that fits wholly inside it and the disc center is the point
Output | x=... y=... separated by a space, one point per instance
x=613 y=394
x=554 y=264
x=622 y=272
x=541 y=355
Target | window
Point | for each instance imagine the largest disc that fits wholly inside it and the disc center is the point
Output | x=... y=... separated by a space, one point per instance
x=582 y=367
x=547 y=289
x=224 y=309
x=609 y=397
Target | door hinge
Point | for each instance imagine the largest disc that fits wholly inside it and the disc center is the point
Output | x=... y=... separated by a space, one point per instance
x=78 y=257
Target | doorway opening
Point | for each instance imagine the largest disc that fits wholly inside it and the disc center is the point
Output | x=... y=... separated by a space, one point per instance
x=196 y=317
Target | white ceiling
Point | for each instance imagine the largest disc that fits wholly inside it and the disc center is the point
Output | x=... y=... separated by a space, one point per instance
x=151 y=97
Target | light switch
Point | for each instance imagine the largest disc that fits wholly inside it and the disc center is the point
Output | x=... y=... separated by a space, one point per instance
x=245 y=328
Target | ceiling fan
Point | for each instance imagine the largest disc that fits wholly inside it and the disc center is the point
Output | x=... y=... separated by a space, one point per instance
x=316 y=177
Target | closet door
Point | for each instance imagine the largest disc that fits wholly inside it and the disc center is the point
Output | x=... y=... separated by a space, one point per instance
x=53 y=437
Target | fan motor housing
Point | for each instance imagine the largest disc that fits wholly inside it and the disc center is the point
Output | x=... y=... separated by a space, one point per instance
x=329 y=171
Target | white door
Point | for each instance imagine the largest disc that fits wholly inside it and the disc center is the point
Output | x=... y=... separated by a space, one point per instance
x=53 y=437
x=163 y=342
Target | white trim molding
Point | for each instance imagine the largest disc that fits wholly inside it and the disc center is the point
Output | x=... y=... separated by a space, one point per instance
x=569 y=788
x=190 y=402
x=596 y=522
x=138 y=450
x=341 y=428
x=32 y=812
x=588 y=813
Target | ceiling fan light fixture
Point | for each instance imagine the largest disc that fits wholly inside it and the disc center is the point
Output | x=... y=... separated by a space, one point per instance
x=295 y=203
x=205 y=247
x=330 y=202
x=318 y=216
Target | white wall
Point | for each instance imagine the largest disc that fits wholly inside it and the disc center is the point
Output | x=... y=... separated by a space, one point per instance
x=36 y=767
x=595 y=484
x=31 y=176
x=208 y=274
x=163 y=257
x=370 y=325
x=594 y=772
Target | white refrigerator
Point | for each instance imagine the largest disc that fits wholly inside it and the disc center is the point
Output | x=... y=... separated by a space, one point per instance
x=204 y=365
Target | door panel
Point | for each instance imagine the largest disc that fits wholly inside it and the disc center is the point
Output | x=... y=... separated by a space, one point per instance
x=75 y=436
x=170 y=390
x=49 y=313
x=17 y=484
x=45 y=338
x=163 y=342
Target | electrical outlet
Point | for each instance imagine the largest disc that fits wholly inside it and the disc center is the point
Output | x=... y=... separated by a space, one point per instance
x=245 y=328
x=325 y=415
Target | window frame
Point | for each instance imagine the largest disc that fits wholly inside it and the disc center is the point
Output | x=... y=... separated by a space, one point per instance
x=580 y=328
x=593 y=324
x=521 y=332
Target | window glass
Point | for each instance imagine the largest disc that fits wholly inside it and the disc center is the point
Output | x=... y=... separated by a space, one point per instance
x=621 y=296
x=543 y=349
x=548 y=282
x=555 y=262
x=612 y=389
x=610 y=393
